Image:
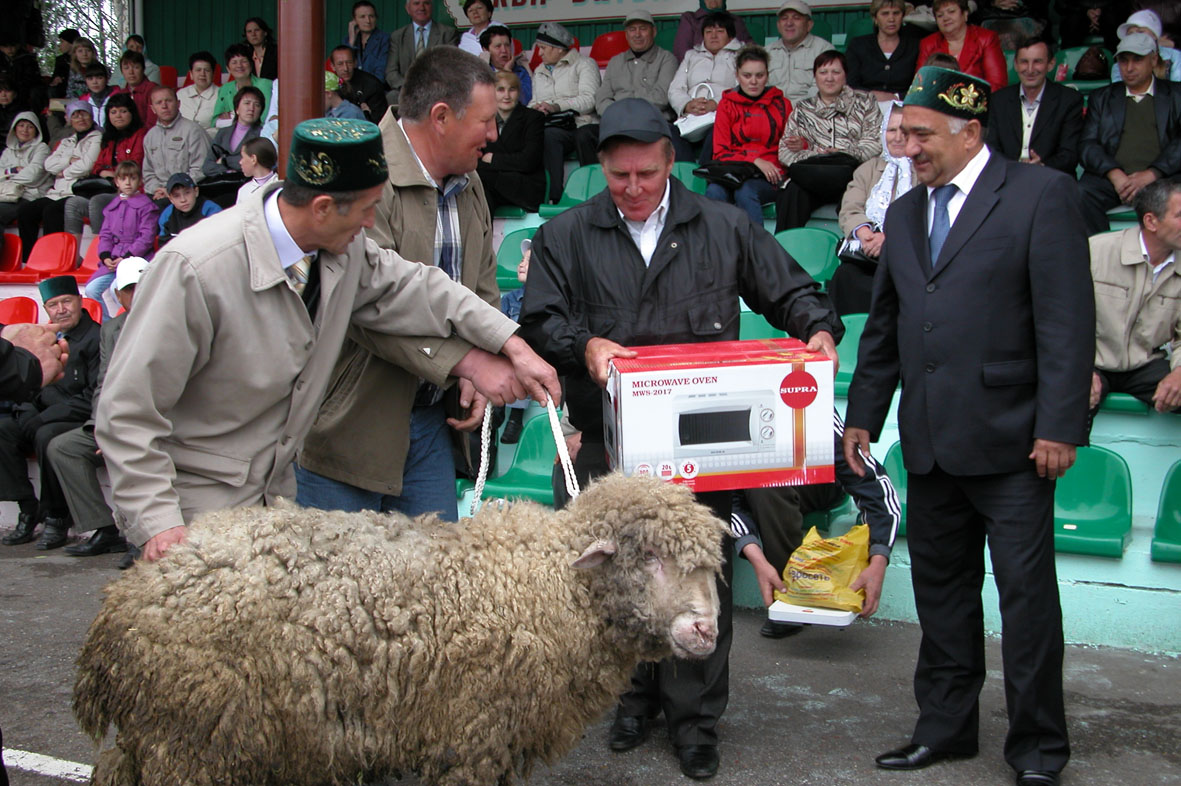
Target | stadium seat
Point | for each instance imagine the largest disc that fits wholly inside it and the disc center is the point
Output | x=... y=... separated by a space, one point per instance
x=1166 y=537
x=1010 y=61
x=535 y=59
x=897 y=472
x=11 y=271
x=683 y=171
x=1093 y=505
x=94 y=308
x=752 y=326
x=55 y=254
x=1124 y=402
x=607 y=45
x=168 y=76
x=89 y=264
x=508 y=256
x=815 y=250
x=823 y=520
x=529 y=477
x=582 y=184
x=847 y=352
x=509 y=211
x=1070 y=56
x=19 y=310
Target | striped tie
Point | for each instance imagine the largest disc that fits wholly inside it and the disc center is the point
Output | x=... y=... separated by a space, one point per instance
x=298 y=273
x=421 y=45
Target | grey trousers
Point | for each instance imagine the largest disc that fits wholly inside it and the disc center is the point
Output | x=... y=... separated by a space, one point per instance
x=74 y=457
x=79 y=208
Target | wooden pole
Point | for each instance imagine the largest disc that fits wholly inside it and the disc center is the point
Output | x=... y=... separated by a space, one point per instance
x=301 y=68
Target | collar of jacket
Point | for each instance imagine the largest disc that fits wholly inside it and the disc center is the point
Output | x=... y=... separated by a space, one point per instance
x=568 y=58
x=648 y=55
x=733 y=45
x=604 y=213
x=844 y=105
x=400 y=158
x=84 y=323
x=265 y=269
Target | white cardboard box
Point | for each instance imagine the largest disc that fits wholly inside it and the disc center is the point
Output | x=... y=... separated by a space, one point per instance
x=722 y=415
x=809 y=615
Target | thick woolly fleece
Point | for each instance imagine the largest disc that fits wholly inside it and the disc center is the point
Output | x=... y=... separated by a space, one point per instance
x=292 y=646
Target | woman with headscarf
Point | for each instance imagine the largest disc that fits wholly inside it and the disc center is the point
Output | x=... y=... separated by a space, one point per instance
x=876 y=184
x=689 y=28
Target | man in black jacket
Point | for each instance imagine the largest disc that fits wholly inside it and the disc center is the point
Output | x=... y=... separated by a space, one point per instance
x=362 y=88
x=1132 y=135
x=1036 y=120
x=646 y=262
x=59 y=407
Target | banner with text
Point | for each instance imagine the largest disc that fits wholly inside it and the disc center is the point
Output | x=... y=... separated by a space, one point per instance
x=516 y=12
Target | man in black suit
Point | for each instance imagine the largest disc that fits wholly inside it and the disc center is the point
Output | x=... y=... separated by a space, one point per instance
x=407 y=43
x=1132 y=135
x=1036 y=121
x=983 y=307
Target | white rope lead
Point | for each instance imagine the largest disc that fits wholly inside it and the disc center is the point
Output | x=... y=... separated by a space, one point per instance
x=563 y=454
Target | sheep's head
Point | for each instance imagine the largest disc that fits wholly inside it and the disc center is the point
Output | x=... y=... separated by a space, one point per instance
x=653 y=560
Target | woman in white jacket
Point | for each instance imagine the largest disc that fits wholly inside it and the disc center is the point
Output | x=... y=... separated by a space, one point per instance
x=22 y=167
x=709 y=63
x=565 y=80
x=73 y=159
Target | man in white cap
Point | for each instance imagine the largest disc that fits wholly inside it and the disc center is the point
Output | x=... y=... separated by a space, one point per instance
x=793 y=55
x=75 y=456
x=1147 y=21
x=1132 y=133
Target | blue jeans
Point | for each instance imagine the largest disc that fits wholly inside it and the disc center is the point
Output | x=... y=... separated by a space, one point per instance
x=96 y=287
x=428 y=480
x=750 y=196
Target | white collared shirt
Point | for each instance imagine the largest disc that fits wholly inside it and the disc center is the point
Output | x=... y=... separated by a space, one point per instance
x=645 y=234
x=964 y=181
x=1158 y=269
x=1138 y=97
x=285 y=246
x=1029 y=117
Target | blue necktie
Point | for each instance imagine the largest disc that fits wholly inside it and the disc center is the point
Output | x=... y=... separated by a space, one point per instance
x=942 y=223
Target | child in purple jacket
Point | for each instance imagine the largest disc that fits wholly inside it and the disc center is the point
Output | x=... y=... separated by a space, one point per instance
x=129 y=230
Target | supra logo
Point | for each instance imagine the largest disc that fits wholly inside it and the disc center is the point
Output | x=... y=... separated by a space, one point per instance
x=798 y=389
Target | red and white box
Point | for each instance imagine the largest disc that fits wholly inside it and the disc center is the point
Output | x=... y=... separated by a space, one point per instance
x=723 y=415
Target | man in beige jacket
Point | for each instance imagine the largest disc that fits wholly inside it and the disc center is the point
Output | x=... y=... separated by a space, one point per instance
x=381 y=440
x=227 y=356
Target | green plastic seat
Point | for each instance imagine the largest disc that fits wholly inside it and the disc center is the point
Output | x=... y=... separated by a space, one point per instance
x=1093 y=505
x=1124 y=402
x=683 y=171
x=1166 y=536
x=823 y=520
x=508 y=256
x=752 y=325
x=583 y=183
x=897 y=472
x=847 y=352
x=1070 y=56
x=509 y=211
x=530 y=476
x=815 y=250
x=1010 y=61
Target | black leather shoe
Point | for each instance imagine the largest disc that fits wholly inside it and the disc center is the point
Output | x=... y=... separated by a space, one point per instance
x=699 y=761
x=915 y=757
x=26 y=525
x=130 y=557
x=779 y=630
x=1037 y=778
x=103 y=541
x=512 y=430
x=54 y=535
x=628 y=731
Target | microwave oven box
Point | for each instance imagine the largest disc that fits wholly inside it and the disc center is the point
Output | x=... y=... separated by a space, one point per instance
x=722 y=415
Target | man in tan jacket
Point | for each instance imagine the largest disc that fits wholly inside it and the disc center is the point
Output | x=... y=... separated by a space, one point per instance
x=227 y=356
x=381 y=440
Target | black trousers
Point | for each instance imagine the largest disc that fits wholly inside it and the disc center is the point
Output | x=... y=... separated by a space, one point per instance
x=44 y=213
x=816 y=181
x=14 y=469
x=691 y=694
x=556 y=143
x=1098 y=196
x=851 y=288
x=780 y=511
x=949 y=518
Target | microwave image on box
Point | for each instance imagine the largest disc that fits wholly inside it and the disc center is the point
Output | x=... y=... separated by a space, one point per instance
x=718 y=424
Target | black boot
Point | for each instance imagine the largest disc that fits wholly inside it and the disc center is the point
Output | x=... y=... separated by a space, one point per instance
x=55 y=534
x=130 y=557
x=26 y=524
x=102 y=541
x=512 y=429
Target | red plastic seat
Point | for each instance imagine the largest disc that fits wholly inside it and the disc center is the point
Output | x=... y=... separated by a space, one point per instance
x=607 y=46
x=216 y=76
x=535 y=60
x=55 y=254
x=94 y=307
x=168 y=76
x=89 y=263
x=10 y=262
x=18 y=310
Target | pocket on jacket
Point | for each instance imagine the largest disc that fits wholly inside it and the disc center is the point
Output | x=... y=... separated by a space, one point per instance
x=207 y=464
x=1009 y=372
x=708 y=319
x=1110 y=290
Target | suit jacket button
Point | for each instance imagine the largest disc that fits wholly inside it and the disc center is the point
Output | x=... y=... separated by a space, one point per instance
x=927 y=327
x=930 y=287
x=929 y=367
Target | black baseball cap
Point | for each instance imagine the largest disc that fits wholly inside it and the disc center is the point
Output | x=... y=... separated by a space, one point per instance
x=634 y=118
x=179 y=179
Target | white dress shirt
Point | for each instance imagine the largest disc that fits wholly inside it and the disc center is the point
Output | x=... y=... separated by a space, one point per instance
x=646 y=233
x=1029 y=117
x=285 y=246
x=964 y=181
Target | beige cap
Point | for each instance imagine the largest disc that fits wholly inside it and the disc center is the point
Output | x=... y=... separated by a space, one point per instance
x=795 y=5
x=639 y=15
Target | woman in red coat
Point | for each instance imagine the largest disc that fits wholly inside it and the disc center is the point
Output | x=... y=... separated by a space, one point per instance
x=977 y=50
x=750 y=119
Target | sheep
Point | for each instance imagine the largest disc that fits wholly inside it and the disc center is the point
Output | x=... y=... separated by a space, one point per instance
x=296 y=646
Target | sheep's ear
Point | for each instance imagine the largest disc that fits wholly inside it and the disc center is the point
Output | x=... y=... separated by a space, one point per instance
x=596 y=554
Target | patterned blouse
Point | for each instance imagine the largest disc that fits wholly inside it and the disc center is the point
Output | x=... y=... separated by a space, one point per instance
x=852 y=124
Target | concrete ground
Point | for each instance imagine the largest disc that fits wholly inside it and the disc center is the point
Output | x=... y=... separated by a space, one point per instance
x=813 y=709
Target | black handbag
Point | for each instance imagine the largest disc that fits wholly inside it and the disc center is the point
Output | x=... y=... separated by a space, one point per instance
x=565 y=120
x=92 y=186
x=730 y=174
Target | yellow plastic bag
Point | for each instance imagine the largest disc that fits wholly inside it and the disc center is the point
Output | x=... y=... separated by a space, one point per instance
x=821 y=569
